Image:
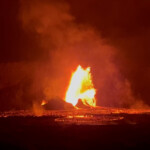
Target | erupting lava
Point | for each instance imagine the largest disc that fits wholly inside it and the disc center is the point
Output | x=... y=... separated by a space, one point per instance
x=81 y=87
x=43 y=102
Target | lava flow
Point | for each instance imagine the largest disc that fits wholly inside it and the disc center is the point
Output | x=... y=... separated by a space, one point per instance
x=81 y=87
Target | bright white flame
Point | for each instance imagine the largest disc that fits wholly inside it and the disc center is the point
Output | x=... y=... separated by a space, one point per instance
x=81 y=87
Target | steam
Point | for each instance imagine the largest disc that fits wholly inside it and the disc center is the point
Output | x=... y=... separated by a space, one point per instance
x=67 y=45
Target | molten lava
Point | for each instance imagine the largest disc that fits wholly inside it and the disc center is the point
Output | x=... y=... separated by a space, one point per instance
x=43 y=102
x=81 y=87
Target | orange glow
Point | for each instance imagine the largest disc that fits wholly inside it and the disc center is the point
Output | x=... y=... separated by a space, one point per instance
x=81 y=87
x=43 y=102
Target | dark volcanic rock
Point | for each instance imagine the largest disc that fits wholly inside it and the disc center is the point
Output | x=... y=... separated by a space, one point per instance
x=57 y=104
x=81 y=105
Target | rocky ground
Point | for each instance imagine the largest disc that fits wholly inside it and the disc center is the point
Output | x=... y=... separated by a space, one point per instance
x=77 y=129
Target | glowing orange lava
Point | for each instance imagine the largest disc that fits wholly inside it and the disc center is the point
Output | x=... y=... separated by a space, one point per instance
x=81 y=87
x=43 y=102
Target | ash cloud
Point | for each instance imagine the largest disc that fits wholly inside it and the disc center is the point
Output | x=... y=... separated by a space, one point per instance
x=65 y=44
x=70 y=44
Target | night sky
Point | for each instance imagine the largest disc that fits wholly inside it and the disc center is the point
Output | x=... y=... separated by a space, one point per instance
x=98 y=33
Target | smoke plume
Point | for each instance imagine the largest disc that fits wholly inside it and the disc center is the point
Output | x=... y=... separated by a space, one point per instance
x=67 y=44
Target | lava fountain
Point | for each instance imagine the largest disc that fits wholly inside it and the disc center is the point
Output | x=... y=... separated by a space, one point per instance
x=81 y=87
